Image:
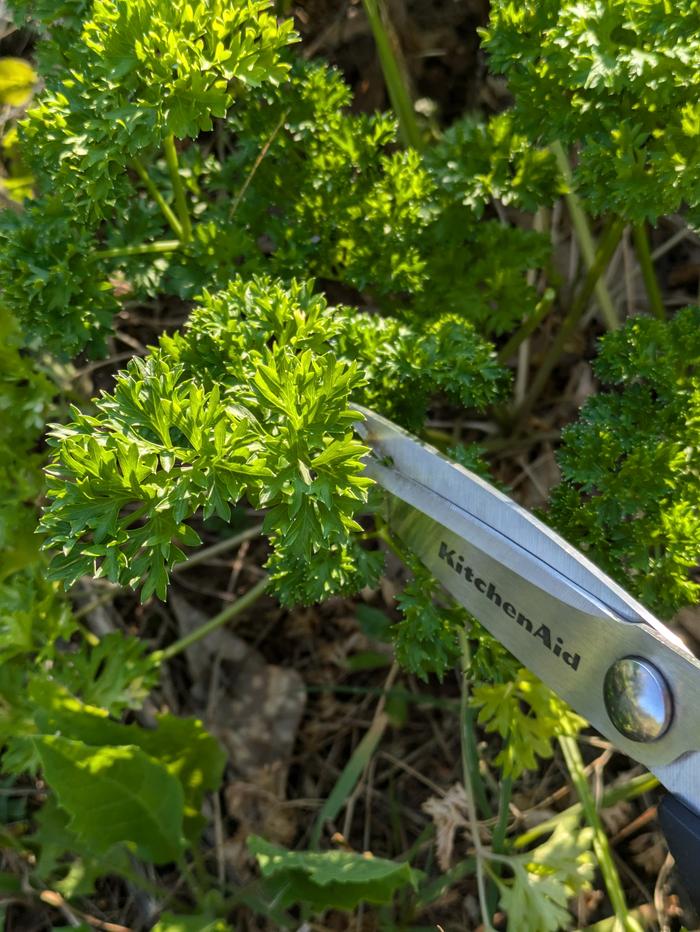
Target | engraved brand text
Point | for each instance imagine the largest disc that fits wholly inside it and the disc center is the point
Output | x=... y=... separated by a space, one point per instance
x=541 y=633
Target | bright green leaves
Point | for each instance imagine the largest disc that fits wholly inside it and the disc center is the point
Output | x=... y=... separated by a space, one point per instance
x=184 y=61
x=141 y=72
x=17 y=81
x=147 y=786
x=620 y=79
x=476 y=162
x=349 y=208
x=116 y=674
x=445 y=357
x=256 y=404
x=316 y=486
x=329 y=879
x=544 y=880
x=50 y=282
x=125 y=481
x=527 y=715
x=252 y=397
x=451 y=357
x=630 y=464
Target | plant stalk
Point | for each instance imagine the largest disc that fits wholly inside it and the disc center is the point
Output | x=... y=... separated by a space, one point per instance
x=544 y=306
x=256 y=165
x=601 y=846
x=356 y=766
x=644 y=783
x=178 y=188
x=144 y=249
x=641 y=244
x=472 y=779
x=230 y=612
x=394 y=73
x=605 y=250
x=498 y=838
x=165 y=208
x=501 y=826
x=221 y=546
x=584 y=236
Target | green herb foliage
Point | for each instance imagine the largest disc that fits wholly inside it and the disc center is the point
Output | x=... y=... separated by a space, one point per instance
x=619 y=78
x=337 y=879
x=527 y=715
x=630 y=489
x=143 y=72
x=179 y=151
x=544 y=880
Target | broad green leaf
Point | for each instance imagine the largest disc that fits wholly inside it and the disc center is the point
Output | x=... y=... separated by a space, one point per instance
x=330 y=879
x=17 y=81
x=65 y=863
x=181 y=746
x=115 y=794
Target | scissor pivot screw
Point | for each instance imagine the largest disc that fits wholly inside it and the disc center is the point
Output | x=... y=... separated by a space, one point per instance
x=638 y=699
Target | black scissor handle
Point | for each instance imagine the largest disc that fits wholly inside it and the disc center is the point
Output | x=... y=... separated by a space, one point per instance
x=681 y=826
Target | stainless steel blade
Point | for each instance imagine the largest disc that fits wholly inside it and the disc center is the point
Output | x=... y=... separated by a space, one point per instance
x=682 y=778
x=468 y=492
x=552 y=625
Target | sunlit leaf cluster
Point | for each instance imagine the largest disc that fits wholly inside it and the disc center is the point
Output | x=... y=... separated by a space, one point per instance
x=268 y=418
x=141 y=72
x=117 y=784
x=620 y=80
x=527 y=715
x=406 y=228
x=544 y=880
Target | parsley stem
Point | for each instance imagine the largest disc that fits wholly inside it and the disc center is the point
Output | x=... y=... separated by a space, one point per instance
x=472 y=779
x=345 y=790
x=178 y=188
x=231 y=611
x=228 y=543
x=544 y=306
x=634 y=787
x=256 y=165
x=498 y=838
x=601 y=845
x=395 y=74
x=584 y=236
x=144 y=249
x=641 y=244
x=499 y=832
x=165 y=208
x=607 y=247
x=134 y=515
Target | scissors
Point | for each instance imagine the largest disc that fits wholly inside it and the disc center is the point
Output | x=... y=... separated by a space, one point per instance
x=573 y=626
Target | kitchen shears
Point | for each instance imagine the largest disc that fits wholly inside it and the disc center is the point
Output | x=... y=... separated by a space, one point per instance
x=562 y=617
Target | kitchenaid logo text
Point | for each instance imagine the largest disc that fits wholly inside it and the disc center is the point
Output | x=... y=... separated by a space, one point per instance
x=489 y=591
